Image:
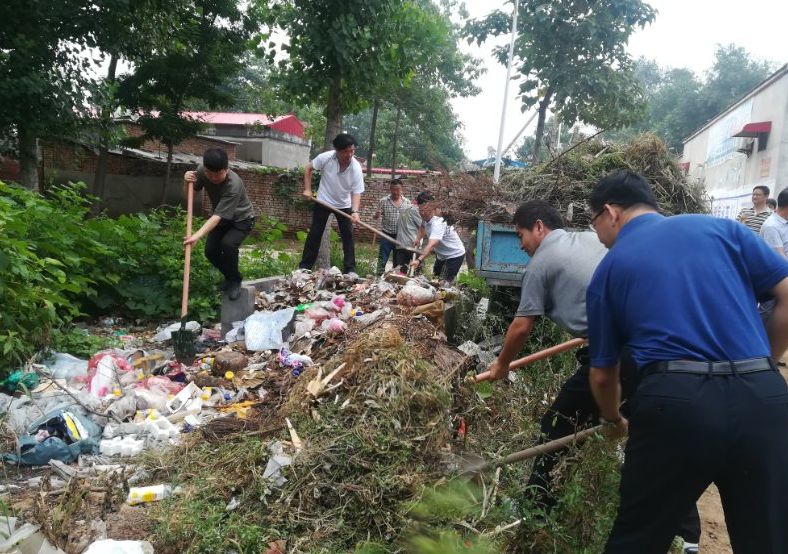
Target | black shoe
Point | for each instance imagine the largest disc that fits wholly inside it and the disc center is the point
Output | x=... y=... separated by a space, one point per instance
x=234 y=290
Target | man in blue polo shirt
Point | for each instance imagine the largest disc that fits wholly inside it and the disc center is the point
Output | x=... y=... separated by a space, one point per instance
x=681 y=293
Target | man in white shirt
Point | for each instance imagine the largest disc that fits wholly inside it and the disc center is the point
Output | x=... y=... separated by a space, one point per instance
x=341 y=185
x=775 y=229
x=441 y=237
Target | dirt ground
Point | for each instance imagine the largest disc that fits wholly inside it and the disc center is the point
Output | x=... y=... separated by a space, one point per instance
x=714 y=535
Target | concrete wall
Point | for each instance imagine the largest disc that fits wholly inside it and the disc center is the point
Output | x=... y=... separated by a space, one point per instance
x=273 y=149
x=729 y=176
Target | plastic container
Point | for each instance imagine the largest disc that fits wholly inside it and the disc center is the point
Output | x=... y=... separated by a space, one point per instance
x=152 y=493
x=185 y=399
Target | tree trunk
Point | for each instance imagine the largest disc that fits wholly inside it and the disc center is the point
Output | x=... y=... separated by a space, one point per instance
x=170 y=148
x=28 y=158
x=333 y=113
x=372 y=127
x=333 y=128
x=100 y=176
x=543 y=105
x=394 y=145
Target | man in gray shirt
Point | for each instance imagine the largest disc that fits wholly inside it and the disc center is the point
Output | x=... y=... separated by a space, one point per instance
x=554 y=285
x=231 y=221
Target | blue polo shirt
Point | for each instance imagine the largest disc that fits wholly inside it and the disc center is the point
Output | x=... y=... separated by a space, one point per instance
x=681 y=288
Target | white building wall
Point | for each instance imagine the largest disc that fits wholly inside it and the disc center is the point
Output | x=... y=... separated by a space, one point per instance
x=728 y=175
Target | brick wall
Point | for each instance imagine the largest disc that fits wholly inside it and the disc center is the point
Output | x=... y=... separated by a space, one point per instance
x=193 y=145
x=262 y=192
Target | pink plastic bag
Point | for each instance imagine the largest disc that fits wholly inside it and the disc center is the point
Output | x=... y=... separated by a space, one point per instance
x=318 y=314
x=103 y=372
x=334 y=326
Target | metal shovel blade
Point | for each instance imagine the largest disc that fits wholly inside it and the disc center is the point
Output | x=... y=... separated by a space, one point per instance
x=183 y=345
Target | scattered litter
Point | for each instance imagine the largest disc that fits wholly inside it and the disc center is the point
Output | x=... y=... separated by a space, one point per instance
x=278 y=460
x=151 y=493
x=111 y=546
x=165 y=333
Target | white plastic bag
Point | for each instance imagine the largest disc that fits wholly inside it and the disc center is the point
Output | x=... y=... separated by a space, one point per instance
x=66 y=366
x=414 y=295
x=263 y=330
x=111 y=546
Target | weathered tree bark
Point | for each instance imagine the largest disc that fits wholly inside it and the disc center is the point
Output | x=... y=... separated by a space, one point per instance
x=372 y=127
x=394 y=145
x=28 y=158
x=100 y=177
x=543 y=105
x=333 y=128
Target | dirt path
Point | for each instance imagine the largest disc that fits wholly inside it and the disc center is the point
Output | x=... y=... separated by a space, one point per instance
x=714 y=534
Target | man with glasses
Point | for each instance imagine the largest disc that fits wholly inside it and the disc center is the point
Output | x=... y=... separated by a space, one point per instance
x=760 y=211
x=341 y=185
x=680 y=292
x=554 y=285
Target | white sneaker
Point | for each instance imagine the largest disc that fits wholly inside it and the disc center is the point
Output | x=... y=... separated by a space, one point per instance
x=690 y=548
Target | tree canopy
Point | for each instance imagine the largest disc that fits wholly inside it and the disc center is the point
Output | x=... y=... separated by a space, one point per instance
x=572 y=59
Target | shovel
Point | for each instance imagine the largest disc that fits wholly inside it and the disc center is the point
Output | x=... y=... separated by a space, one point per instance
x=471 y=464
x=183 y=340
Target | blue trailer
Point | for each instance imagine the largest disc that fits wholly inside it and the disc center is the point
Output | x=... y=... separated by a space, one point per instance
x=499 y=258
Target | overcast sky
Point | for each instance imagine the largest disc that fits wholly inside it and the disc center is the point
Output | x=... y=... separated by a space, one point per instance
x=684 y=34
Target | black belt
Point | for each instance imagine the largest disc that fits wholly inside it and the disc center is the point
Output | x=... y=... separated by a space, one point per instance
x=728 y=367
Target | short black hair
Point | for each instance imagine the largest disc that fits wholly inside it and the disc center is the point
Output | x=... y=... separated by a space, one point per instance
x=424 y=197
x=529 y=212
x=782 y=199
x=395 y=182
x=343 y=140
x=624 y=188
x=215 y=159
x=763 y=188
x=772 y=203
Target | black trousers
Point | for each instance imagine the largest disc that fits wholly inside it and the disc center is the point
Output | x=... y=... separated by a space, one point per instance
x=312 y=244
x=574 y=408
x=688 y=431
x=449 y=268
x=222 y=244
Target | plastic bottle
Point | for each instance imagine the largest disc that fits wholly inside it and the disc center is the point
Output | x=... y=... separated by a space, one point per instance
x=152 y=493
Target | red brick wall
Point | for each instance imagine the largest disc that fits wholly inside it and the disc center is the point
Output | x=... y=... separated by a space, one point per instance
x=262 y=192
x=194 y=145
x=259 y=186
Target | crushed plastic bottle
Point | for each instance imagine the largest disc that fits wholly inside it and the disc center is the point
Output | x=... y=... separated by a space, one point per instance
x=152 y=493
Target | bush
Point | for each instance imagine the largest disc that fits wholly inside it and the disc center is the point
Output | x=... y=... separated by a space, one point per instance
x=147 y=261
x=48 y=266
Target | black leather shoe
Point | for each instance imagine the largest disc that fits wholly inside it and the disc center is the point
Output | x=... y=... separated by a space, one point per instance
x=234 y=290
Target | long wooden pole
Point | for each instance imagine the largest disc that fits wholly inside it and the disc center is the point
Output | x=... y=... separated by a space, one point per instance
x=187 y=251
x=531 y=358
x=381 y=234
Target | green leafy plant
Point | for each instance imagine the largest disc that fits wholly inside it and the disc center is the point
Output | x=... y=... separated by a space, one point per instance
x=79 y=342
x=49 y=266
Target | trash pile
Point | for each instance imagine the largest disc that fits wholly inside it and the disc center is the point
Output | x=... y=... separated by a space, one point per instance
x=347 y=378
x=567 y=181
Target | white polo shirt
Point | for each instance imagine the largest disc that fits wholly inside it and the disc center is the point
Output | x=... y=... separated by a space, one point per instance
x=449 y=243
x=336 y=186
x=775 y=232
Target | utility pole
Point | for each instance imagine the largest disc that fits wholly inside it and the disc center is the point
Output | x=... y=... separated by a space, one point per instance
x=497 y=172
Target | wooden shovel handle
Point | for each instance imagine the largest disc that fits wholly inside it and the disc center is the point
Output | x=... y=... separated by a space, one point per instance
x=187 y=262
x=535 y=357
x=545 y=448
x=381 y=234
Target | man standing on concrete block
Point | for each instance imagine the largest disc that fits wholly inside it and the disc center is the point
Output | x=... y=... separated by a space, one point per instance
x=231 y=221
x=341 y=185
x=680 y=292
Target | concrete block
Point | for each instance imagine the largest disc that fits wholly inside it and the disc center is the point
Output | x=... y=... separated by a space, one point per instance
x=239 y=309
x=266 y=284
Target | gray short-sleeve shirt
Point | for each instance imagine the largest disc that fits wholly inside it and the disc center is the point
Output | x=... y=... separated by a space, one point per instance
x=229 y=199
x=555 y=279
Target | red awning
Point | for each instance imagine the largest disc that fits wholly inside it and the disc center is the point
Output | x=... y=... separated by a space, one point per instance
x=755 y=129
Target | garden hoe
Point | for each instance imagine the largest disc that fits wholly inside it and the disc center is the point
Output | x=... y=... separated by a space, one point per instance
x=472 y=464
x=183 y=339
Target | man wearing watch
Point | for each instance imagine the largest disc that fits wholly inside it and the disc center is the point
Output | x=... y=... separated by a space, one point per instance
x=441 y=238
x=554 y=285
x=341 y=185
x=681 y=293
